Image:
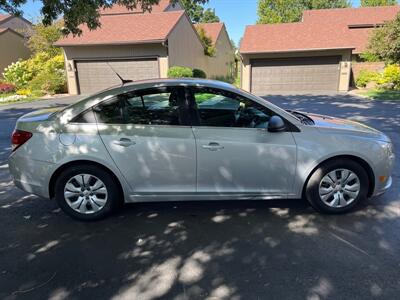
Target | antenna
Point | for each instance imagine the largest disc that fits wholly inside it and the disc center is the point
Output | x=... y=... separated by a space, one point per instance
x=123 y=81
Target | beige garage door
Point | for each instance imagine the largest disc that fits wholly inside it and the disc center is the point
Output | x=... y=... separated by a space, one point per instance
x=295 y=75
x=94 y=76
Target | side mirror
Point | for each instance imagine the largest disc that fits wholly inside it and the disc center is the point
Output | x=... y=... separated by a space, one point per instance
x=276 y=124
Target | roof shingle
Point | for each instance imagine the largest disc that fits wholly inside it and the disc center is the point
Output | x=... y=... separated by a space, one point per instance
x=126 y=29
x=121 y=9
x=319 y=29
x=212 y=29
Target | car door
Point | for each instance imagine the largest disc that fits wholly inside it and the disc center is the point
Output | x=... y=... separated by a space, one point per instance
x=235 y=152
x=147 y=135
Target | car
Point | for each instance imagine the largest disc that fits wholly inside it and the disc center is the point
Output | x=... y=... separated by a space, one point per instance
x=194 y=139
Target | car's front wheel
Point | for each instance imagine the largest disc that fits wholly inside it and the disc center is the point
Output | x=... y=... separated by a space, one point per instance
x=337 y=186
x=86 y=192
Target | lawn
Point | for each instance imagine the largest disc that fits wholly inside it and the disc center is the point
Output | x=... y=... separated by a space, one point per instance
x=21 y=100
x=382 y=95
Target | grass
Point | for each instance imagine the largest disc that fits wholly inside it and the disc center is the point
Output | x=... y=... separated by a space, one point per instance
x=23 y=100
x=382 y=94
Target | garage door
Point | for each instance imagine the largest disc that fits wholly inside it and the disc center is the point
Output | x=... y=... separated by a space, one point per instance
x=288 y=75
x=94 y=76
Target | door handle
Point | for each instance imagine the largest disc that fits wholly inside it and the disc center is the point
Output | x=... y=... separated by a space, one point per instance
x=124 y=142
x=213 y=146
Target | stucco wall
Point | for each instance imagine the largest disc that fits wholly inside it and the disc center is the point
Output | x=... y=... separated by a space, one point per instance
x=345 y=65
x=222 y=63
x=185 y=48
x=12 y=48
x=73 y=53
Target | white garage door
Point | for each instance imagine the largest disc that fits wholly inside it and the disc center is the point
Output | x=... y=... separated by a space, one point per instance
x=97 y=75
x=301 y=74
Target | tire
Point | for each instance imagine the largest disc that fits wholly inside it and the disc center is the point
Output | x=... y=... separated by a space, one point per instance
x=81 y=204
x=330 y=196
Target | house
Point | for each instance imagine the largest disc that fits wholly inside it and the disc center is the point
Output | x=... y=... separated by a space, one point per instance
x=135 y=44
x=13 y=31
x=223 y=63
x=313 y=55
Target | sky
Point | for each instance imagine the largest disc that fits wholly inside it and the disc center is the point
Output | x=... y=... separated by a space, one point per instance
x=236 y=14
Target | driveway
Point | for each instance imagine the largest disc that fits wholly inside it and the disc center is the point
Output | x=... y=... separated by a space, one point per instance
x=200 y=250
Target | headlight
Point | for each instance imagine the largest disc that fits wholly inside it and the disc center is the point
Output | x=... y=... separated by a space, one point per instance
x=388 y=148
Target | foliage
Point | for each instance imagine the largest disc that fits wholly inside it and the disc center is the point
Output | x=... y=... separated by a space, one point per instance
x=384 y=42
x=197 y=13
x=209 y=48
x=6 y=88
x=39 y=73
x=43 y=38
x=378 y=2
x=180 y=72
x=18 y=73
x=365 y=77
x=78 y=12
x=390 y=78
x=380 y=94
x=370 y=57
x=285 y=11
x=24 y=92
x=228 y=79
x=197 y=73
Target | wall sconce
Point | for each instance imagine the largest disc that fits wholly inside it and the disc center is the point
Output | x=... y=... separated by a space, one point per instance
x=69 y=67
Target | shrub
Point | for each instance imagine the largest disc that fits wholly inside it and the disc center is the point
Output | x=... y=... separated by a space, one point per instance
x=179 y=72
x=365 y=77
x=18 y=73
x=390 y=78
x=228 y=79
x=7 y=88
x=24 y=92
x=197 y=73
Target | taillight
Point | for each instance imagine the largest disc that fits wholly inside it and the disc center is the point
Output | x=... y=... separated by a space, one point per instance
x=19 y=137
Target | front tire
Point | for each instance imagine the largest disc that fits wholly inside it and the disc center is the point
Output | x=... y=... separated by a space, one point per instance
x=337 y=186
x=87 y=192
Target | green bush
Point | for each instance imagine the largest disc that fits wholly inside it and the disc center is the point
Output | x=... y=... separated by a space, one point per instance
x=197 y=73
x=365 y=77
x=390 y=78
x=41 y=73
x=180 y=72
x=228 y=79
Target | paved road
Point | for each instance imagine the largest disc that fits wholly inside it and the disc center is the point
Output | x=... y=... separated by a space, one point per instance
x=215 y=250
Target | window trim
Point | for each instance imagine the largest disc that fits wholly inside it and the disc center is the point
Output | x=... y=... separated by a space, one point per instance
x=190 y=98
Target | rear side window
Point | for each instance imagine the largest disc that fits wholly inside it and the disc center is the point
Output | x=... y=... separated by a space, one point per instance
x=155 y=107
x=109 y=112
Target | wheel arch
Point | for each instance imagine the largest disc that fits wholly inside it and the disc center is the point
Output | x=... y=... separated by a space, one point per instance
x=364 y=164
x=67 y=165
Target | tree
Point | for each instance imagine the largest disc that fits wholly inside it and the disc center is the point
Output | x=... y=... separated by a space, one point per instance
x=286 y=11
x=209 y=48
x=384 y=42
x=42 y=38
x=197 y=13
x=79 y=12
x=378 y=2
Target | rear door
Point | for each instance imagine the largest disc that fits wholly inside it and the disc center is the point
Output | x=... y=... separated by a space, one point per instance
x=148 y=137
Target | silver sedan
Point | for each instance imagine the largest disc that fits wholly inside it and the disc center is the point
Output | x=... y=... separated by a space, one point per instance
x=175 y=140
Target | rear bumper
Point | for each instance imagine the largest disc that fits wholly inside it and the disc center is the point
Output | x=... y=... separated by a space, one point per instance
x=30 y=175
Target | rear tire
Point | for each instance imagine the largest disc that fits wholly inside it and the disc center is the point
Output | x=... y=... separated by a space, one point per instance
x=87 y=192
x=337 y=186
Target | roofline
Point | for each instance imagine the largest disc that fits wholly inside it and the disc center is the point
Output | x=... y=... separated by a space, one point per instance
x=10 y=16
x=297 y=50
x=11 y=30
x=159 y=41
x=351 y=8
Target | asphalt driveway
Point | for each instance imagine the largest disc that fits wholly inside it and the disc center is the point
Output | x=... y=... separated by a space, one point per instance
x=215 y=250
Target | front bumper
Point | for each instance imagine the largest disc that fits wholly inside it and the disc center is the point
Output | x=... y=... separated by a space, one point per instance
x=383 y=189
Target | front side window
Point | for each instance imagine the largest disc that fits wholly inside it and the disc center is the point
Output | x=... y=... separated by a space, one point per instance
x=220 y=108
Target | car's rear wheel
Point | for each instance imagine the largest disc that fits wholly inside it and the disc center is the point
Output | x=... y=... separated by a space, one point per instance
x=86 y=192
x=337 y=186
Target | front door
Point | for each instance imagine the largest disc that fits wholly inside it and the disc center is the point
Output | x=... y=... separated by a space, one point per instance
x=147 y=135
x=235 y=152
